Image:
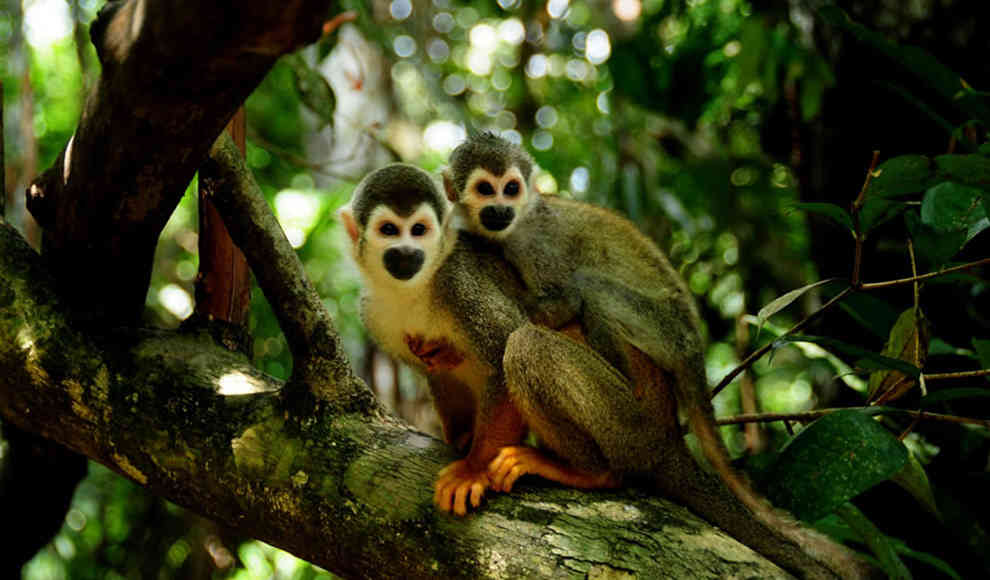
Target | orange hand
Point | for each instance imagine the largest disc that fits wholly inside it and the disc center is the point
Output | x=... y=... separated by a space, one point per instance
x=457 y=484
x=514 y=461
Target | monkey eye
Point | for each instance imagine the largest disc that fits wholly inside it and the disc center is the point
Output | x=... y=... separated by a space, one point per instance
x=511 y=189
x=389 y=229
x=418 y=230
x=485 y=188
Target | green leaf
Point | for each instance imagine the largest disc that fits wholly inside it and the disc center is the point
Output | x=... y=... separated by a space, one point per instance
x=952 y=207
x=877 y=211
x=872 y=313
x=952 y=394
x=914 y=480
x=933 y=247
x=966 y=169
x=785 y=300
x=879 y=543
x=939 y=347
x=916 y=61
x=314 y=91
x=939 y=564
x=901 y=176
x=982 y=348
x=869 y=359
x=830 y=210
x=908 y=341
x=831 y=461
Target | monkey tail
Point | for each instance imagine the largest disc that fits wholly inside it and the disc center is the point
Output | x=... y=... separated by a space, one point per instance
x=731 y=503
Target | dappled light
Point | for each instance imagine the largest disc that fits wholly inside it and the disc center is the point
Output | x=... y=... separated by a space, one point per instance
x=239 y=384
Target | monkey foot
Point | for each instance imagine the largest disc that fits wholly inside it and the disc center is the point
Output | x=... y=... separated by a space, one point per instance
x=514 y=461
x=436 y=354
x=456 y=485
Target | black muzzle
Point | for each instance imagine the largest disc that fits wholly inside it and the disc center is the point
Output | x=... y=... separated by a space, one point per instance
x=497 y=217
x=403 y=262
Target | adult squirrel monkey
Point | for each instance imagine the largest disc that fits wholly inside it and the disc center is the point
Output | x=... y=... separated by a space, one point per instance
x=584 y=264
x=445 y=303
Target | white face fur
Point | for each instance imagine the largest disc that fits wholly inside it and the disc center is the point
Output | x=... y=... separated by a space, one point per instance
x=492 y=205
x=396 y=250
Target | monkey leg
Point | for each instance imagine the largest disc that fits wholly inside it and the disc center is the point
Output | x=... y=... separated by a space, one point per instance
x=579 y=405
x=497 y=424
x=514 y=461
x=455 y=406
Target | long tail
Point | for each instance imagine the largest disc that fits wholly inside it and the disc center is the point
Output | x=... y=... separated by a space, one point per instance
x=734 y=505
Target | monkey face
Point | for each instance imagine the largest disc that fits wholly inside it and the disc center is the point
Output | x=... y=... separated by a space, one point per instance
x=394 y=222
x=493 y=203
x=399 y=247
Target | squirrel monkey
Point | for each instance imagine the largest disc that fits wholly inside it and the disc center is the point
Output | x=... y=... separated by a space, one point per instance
x=581 y=263
x=445 y=303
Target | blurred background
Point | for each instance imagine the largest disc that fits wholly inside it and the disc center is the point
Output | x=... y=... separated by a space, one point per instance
x=703 y=121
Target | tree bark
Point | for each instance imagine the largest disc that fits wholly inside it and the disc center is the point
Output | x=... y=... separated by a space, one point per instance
x=173 y=74
x=350 y=491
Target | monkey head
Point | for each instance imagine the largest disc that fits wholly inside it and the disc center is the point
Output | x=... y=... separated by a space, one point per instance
x=488 y=179
x=394 y=221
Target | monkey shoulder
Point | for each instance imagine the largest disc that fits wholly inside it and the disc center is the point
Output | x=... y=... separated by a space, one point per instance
x=483 y=292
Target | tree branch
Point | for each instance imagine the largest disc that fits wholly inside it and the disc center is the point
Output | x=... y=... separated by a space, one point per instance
x=806 y=416
x=912 y=279
x=173 y=73
x=319 y=363
x=200 y=426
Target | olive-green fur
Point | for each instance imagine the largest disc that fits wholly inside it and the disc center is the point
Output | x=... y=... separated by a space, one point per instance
x=583 y=263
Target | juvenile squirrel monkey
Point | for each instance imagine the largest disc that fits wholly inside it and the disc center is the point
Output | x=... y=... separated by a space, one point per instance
x=445 y=303
x=582 y=263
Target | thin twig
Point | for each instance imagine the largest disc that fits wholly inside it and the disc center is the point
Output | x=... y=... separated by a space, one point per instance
x=912 y=279
x=917 y=319
x=861 y=198
x=958 y=375
x=857 y=205
x=766 y=348
x=806 y=416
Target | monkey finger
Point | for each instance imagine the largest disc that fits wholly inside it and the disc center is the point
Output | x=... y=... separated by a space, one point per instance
x=442 y=499
x=510 y=480
x=460 y=499
x=477 y=492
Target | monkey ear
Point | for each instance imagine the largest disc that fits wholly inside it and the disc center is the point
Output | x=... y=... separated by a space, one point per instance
x=532 y=186
x=448 y=186
x=346 y=216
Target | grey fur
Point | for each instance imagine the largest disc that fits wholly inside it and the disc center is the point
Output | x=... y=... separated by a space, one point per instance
x=491 y=152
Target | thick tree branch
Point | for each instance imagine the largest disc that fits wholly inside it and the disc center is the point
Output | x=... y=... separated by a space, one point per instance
x=319 y=363
x=199 y=425
x=174 y=72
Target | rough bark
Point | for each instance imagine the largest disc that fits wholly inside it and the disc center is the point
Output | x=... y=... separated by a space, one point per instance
x=173 y=74
x=349 y=491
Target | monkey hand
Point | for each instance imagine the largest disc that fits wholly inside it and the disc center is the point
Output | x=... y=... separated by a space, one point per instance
x=514 y=461
x=436 y=354
x=456 y=485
